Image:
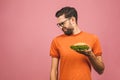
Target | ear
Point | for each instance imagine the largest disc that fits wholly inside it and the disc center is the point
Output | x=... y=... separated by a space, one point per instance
x=72 y=19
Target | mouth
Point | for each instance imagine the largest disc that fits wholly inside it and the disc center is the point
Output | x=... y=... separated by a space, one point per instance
x=64 y=29
x=67 y=31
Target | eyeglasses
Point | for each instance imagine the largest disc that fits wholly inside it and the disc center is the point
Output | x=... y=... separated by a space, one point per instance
x=62 y=23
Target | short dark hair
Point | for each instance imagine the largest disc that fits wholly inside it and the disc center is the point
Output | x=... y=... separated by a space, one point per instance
x=68 y=12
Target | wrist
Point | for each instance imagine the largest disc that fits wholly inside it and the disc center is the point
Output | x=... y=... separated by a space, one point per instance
x=90 y=54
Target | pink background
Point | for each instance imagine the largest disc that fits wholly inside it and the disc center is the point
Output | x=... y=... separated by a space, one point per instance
x=28 y=26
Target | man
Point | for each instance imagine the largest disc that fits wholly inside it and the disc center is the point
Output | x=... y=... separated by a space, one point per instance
x=68 y=64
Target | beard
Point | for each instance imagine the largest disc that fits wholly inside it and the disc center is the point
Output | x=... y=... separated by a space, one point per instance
x=67 y=31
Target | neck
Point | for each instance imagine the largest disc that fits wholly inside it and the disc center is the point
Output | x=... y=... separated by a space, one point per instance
x=76 y=30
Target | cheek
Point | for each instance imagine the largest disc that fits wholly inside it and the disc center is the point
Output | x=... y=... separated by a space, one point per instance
x=71 y=26
x=67 y=24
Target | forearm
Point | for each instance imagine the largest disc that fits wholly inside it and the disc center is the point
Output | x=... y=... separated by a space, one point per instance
x=53 y=75
x=97 y=64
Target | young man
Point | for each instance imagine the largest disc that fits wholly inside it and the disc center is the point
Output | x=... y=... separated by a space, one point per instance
x=68 y=64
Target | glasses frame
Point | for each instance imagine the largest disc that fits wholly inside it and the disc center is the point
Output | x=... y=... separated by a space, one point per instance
x=62 y=23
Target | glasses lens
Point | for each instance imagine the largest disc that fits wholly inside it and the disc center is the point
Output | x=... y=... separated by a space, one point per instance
x=61 y=24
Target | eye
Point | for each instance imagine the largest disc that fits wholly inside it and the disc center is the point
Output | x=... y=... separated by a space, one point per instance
x=61 y=24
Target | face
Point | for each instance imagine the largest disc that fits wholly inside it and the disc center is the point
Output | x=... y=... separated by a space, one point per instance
x=65 y=25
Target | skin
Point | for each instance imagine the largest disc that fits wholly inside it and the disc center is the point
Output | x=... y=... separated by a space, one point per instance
x=96 y=61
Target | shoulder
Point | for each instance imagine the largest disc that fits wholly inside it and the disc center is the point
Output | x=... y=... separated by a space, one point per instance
x=58 y=38
x=90 y=34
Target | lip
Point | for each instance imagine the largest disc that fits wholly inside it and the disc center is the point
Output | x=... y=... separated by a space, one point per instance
x=64 y=29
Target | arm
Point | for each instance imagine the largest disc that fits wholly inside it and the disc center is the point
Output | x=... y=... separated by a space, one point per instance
x=54 y=69
x=96 y=62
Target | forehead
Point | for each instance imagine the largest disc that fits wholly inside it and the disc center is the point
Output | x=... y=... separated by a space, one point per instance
x=61 y=18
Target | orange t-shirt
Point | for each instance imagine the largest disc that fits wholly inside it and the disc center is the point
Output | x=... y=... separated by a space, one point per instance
x=73 y=65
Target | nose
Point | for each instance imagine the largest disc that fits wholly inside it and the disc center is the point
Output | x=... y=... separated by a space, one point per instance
x=64 y=28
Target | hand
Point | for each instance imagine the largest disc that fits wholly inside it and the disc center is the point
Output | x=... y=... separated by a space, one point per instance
x=82 y=48
x=85 y=52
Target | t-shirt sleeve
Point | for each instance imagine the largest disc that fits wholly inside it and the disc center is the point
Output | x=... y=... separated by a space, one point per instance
x=54 y=50
x=97 y=48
